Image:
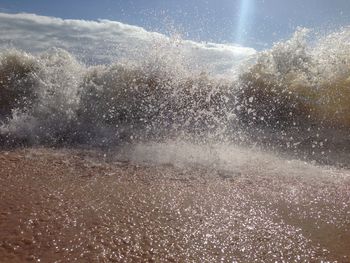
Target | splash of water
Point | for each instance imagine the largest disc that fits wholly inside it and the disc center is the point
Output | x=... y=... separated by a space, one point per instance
x=290 y=95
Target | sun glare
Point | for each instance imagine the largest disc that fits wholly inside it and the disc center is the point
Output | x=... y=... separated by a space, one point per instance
x=245 y=9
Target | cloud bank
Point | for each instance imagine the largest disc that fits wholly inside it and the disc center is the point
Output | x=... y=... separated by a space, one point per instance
x=105 y=41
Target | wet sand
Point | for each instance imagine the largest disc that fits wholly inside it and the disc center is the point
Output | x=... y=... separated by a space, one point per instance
x=79 y=206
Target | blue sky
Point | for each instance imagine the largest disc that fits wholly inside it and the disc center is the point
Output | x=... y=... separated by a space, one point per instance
x=254 y=23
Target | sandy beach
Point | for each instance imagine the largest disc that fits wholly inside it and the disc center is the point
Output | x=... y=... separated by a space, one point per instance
x=59 y=205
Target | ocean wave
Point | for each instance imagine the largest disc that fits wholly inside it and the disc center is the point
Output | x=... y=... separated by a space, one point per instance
x=297 y=85
x=52 y=97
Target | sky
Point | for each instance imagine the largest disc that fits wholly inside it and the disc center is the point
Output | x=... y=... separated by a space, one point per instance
x=107 y=42
x=252 y=23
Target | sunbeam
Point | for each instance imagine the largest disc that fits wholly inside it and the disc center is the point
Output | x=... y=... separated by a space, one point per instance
x=245 y=9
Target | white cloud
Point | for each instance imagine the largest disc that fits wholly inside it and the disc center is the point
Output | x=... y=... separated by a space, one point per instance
x=106 y=41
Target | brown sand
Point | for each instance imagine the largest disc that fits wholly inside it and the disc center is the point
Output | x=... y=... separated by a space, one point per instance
x=74 y=206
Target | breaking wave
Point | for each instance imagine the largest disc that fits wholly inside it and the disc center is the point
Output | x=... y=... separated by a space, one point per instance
x=294 y=95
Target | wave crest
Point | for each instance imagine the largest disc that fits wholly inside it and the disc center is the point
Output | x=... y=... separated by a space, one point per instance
x=18 y=81
x=295 y=83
